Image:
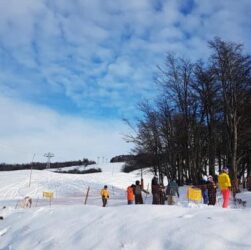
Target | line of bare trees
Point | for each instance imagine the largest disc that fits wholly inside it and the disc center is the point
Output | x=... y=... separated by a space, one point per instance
x=202 y=119
x=42 y=165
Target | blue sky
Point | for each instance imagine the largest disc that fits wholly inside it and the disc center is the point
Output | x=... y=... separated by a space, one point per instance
x=94 y=60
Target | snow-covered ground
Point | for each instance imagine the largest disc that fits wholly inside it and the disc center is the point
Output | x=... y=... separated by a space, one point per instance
x=69 y=224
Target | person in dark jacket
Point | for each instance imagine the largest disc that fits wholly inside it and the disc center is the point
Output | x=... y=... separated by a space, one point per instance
x=155 y=190
x=171 y=190
x=155 y=180
x=138 y=193
x=162 y=194
x=211 y=187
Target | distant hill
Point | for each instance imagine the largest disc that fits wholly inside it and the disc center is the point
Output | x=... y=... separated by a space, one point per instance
x=41 y=166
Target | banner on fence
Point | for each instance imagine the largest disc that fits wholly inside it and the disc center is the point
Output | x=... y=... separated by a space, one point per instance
x=48 y=195
x=194 y=194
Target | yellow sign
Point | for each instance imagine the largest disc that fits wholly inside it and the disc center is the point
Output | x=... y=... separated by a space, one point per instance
x=194 y=194
x=48 y=194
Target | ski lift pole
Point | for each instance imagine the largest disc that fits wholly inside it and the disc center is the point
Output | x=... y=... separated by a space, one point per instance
x=31 y=169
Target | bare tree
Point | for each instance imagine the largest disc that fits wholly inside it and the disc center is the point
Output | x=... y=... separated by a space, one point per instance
x=232 y=71
x=201 y=118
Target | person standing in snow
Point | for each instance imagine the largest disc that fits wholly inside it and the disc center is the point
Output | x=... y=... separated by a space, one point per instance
x=138 y=195
x=162 y=194
x=225 y=185
x=211 y=186
x=105 y=195
x=155 y=190
x=130 y=194
x=171 y=190
x=204 y=190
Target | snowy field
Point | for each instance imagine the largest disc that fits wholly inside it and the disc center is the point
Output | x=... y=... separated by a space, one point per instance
x=69 y=224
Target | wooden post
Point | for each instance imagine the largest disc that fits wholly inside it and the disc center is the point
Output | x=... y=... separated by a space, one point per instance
x=86 y=196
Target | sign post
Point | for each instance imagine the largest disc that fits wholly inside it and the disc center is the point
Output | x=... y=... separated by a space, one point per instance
x=48 y=195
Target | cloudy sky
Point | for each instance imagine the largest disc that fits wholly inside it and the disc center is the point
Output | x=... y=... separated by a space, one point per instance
x=71 y=70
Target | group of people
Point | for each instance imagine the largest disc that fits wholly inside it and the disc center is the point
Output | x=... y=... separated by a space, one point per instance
x=160 y=194
x=134 y=193
x=209 y=188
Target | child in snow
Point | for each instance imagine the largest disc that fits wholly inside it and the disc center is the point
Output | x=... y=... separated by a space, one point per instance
x=130 y=194
x=225 y=185
x=105 y=195
x=171 y=190
x=138 y=194
x=211 y=186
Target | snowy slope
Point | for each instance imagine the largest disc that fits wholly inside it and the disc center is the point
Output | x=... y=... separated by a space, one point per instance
x=105 y=167
x=67 y=188
x=69 y=224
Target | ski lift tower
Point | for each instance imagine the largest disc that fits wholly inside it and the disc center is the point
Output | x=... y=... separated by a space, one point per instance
x=49 y=156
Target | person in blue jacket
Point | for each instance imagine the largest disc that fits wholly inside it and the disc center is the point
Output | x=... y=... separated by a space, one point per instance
x=171 y=191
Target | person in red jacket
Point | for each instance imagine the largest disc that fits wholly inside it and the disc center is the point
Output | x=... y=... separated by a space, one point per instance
x=130 y=194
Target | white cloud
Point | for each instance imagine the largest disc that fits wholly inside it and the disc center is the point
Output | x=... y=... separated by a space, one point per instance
x=120 y=68
x=75 y=47
x=26 y=129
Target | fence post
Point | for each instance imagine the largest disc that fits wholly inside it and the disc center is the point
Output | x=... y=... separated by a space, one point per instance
x=86 y=196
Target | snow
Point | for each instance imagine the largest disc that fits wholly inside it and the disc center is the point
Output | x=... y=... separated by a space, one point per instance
x=69 y=224
x=105 y=167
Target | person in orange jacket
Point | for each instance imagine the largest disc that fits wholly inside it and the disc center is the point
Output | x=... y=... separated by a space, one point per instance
x=225 y=185
x=105 y=195
x=130 y=194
